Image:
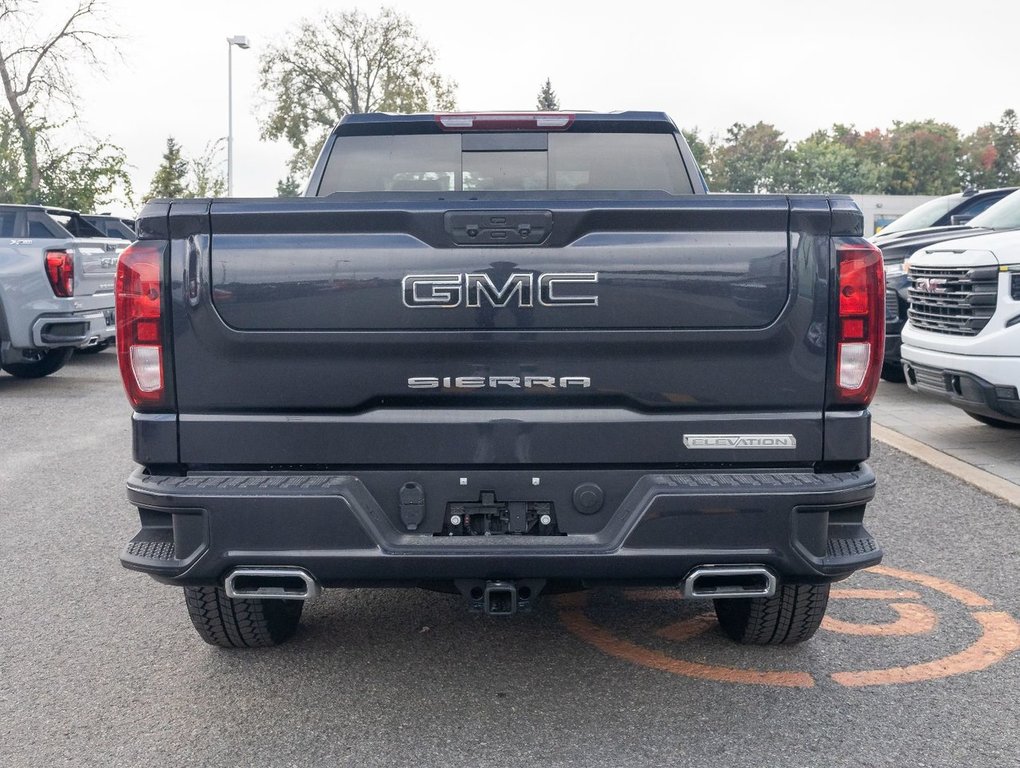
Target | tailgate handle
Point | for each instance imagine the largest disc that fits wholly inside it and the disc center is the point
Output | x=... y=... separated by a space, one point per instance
x=498 y=228
x=191 y=277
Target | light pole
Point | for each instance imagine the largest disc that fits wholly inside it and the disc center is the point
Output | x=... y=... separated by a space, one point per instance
x=241 y=42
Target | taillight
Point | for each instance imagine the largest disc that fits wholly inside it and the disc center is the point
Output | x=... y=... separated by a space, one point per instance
x=60 y=272
x=139 y=293
x=861 y=321
x=505 y=121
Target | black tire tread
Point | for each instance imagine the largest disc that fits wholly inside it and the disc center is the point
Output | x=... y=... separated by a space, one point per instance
x=792 y=616
x=52 y=361
x=241 y=623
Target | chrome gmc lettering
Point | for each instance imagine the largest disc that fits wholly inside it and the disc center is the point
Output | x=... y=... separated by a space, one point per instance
x=555 y=289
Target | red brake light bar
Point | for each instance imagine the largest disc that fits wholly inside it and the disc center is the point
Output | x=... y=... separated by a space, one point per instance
x=505 y=121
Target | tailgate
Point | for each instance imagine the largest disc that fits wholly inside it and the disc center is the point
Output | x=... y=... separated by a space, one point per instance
x=95 y=265
x=345 y=330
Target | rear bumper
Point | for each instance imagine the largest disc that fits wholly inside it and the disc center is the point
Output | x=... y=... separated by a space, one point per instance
x=78 y=329
x=347 y=529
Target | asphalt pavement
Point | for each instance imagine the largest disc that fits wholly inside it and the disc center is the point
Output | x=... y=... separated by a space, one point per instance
x=915 y=666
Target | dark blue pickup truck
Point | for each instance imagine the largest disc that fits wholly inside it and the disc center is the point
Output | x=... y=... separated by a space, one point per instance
x=501 y=354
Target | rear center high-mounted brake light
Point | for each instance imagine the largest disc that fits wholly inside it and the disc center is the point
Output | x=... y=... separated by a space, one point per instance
x=505 y=121
x=60 y=272
x=139 y=296
x=861 y=321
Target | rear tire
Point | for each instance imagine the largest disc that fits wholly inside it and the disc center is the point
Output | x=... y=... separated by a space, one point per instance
x=51 y=362
x=241 y=623
x=992 y=422
x=791 y=616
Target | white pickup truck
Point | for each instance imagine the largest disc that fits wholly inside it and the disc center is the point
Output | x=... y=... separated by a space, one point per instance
x=962 y=339
x=56 y=289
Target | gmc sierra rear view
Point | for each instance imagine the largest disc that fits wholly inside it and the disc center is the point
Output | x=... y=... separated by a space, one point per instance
x=501 y=355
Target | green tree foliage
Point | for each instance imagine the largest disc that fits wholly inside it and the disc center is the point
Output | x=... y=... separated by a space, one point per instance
x=830 y=163
x=85 y=178
x=181 y=177
x=288 y=187
x=750 y=159
x=38 y=64
x=170 y=179
x=921 y=159
x=207 y=177
x=990 y=156
x=547 y=99
x=342 y=63
x=699 y=147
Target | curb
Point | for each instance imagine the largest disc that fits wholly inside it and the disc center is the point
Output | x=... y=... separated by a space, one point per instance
x=985 y=481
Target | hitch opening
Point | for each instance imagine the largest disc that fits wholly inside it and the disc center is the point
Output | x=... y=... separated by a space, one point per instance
x=500 y=598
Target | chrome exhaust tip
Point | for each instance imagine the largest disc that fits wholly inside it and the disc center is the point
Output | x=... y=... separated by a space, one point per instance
x=722 y=581
x=271 y=584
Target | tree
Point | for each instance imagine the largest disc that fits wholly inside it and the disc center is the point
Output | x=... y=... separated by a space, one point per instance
x=207 y=178
x=179 y=176
x=829 y=163
x=701 y=149
x=750 y=159
x=39 y=97
x=989 y=156
x=288 y=187
x=343 y=63
x=547 y=99
x=922 y=158
x=85 y=177
x=170 y=179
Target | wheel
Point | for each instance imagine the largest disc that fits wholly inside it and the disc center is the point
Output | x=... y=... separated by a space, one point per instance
x=791 y=616
x=241 y=623
x=893 y=373
x=51 y=362
x=95 y=349
x=992 y=422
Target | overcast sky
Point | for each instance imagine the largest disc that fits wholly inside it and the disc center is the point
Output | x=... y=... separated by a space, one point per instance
x=799 y=64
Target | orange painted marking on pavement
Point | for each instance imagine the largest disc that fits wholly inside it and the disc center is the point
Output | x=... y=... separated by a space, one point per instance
x=681 y=631
x=873 y=594
x=965 y=596
x=605 y=641
x=1000 y=638
x=915 y=619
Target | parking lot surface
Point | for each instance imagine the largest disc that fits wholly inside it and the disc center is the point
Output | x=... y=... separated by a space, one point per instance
x=943 y=426
x=915 y=666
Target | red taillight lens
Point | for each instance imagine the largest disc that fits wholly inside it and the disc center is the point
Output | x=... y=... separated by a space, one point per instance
x=139 y=293
x=505 y=121
x=60 y=272
x=861 y=322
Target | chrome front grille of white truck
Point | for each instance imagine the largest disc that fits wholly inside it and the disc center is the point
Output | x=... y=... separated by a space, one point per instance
x=954 y=300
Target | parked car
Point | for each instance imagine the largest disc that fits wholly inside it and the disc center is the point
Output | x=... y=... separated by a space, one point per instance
x=947 y=211
x=56 y=290
x=112 y=226
x=962 y=340
x=897 y=247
